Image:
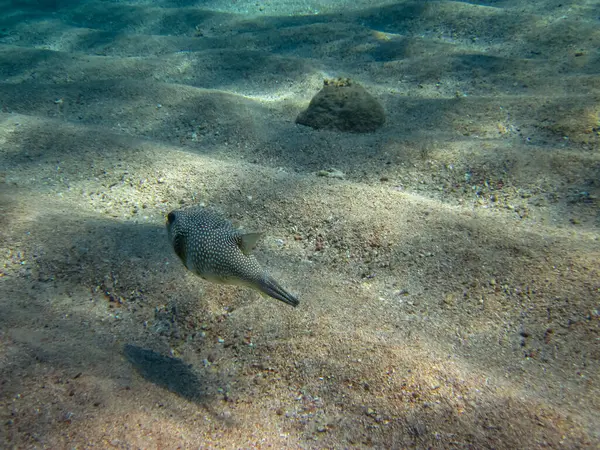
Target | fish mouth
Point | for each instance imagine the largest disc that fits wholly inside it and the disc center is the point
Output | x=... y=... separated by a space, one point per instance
x=170 y=218
x=176 y=239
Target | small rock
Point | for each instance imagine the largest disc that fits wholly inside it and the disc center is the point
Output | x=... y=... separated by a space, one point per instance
x=331 y=173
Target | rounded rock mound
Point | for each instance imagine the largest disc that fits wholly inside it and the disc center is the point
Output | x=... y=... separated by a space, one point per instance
x=344 y=106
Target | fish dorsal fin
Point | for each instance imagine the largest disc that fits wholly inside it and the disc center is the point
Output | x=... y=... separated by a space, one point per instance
x=246 y=242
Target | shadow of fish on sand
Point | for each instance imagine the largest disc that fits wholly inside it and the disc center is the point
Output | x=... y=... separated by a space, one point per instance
x=170 y=373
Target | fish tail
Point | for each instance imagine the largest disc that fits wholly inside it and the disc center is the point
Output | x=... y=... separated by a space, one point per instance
x=273 y=289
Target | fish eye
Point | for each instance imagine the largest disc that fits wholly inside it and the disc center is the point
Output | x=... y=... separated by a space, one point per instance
x=171 y=218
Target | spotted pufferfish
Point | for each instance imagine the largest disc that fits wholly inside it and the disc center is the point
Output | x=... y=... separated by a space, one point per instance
x=210 y=246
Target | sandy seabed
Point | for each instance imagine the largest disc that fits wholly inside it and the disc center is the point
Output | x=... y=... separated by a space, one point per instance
x=449 y=280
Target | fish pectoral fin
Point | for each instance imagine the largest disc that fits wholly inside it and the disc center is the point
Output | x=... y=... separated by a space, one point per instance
x=247 y=242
